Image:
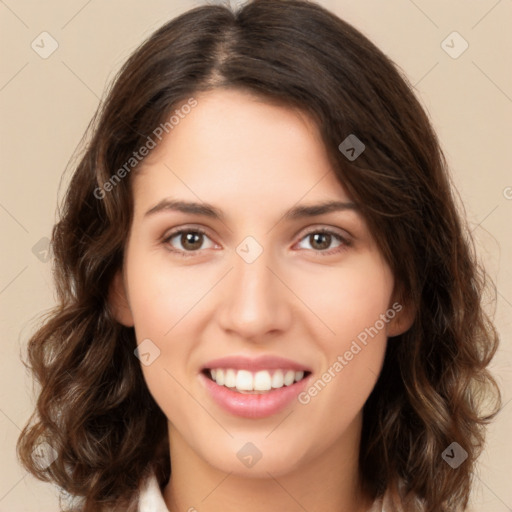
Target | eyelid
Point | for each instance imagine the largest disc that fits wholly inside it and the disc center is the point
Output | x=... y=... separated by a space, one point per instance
x=193 y=227
x=328 y=229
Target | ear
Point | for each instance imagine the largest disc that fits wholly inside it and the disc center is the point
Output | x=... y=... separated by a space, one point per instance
x=403 y=317
x=118 y=300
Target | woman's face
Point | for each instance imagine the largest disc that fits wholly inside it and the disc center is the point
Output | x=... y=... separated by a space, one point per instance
x=262 y=286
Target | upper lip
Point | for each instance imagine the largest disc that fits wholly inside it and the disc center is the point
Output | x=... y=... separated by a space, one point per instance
x=265 y=362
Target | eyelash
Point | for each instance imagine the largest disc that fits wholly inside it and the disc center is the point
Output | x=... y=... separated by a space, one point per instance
x=186 y=254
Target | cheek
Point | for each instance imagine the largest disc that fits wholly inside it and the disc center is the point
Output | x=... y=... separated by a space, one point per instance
x=161 y=299
x=351 y=336
x=161 y=292
x=346 y=299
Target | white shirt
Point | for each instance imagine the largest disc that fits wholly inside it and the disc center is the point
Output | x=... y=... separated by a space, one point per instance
x=152 y=500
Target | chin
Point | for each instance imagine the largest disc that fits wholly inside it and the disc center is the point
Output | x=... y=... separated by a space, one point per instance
x=256 y=458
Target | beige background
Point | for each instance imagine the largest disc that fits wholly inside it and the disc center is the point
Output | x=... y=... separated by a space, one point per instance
x=46 y=104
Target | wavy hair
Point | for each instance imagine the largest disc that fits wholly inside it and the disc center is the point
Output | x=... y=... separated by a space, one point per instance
x=94 y=407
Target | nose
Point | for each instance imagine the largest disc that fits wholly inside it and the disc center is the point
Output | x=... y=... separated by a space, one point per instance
x=255 y=303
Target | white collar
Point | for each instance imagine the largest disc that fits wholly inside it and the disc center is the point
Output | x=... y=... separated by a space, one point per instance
x=151 y=498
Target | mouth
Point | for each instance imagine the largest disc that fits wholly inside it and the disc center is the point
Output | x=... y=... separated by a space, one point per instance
x=255 y=382
x=257 y=393
x=254 y=387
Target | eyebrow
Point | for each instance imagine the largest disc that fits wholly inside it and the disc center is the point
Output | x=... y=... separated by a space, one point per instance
x=208 y=210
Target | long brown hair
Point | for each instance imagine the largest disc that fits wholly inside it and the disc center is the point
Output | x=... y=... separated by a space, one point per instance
x=94 y=407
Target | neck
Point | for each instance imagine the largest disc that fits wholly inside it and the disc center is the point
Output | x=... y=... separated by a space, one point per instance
x=328 y=482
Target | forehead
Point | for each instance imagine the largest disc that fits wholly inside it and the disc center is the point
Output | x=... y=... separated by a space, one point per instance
x=233 y=142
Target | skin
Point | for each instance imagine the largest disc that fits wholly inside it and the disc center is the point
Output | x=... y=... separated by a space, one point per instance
x=254 y=160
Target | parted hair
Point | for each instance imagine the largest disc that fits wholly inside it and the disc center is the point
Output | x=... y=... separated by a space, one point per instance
x=93 y=406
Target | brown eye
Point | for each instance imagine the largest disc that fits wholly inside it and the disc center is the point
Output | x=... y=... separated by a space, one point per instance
x=191 y=241
x=322 y=239
x=187 y=240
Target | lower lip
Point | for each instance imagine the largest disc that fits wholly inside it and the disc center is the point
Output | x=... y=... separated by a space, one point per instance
x=254 y=406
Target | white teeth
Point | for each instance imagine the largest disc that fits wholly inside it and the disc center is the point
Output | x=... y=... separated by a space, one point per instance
x=261 y=381
x=289 y=377
x=230 y=378
x=219 y=377
x=277 y=380
x=244 y=380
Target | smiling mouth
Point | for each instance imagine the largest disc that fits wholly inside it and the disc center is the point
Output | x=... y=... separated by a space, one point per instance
x=255 y=383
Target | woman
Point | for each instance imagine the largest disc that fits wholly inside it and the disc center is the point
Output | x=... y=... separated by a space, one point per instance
x=267 y=297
